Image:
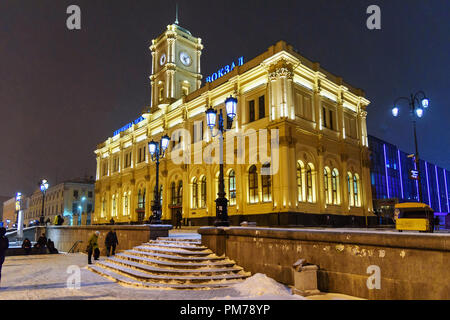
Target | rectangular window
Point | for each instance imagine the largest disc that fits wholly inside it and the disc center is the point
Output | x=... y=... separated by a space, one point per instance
x=262 y=107
x=116 y=164
x=324 y=117
x=251 y=111
x=198 y=131
x=105 y=169
x=331 y=119
x=141 y=154
x=127 y=160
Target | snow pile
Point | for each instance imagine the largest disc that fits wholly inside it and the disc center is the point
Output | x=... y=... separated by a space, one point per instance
x=261 y=286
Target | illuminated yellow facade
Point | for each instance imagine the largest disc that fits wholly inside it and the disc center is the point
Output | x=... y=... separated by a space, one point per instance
x=323 y=169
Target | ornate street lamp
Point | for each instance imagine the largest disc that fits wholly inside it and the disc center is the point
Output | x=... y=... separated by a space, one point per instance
x=418 y=103
x=211 y=115
x=43 y=185
x=157 y=151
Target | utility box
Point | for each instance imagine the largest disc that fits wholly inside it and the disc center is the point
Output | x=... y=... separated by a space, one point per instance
x=305 y=278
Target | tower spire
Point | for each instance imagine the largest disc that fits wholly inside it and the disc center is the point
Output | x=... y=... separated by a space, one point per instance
x=176 y=15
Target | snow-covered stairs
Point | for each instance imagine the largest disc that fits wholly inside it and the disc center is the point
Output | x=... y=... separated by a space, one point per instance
x=174 y=263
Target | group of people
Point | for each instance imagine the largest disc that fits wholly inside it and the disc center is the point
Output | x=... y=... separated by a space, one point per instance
x=43 y=244
x=57 y=221
x=111 y=242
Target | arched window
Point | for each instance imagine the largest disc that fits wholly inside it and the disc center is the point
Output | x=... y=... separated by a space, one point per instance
x=114 y=207
x=103 y=207
x=141 y=199
x=203 y=192
x=327 y=189
x=232 y=187
x=309 y=184
x=180 y=192
x=194 y=194
x=252 y=185
x=335 y=186
x=173 y=193
x=266 y=186
x=356 y=191
x=126 y=211
x=350 y=189
x=300 y=181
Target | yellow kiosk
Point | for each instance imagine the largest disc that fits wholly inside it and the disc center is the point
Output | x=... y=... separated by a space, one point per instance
x=414 y=216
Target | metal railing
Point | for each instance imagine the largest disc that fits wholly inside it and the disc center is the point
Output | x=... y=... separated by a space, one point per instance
x=75 y=245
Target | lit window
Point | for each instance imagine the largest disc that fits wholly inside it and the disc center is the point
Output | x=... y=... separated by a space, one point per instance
x=309 y=184
x=252 y=185
x=266 y=186
x=203 y=192
x=300 y=181
x=194 y=194
x=232 y=187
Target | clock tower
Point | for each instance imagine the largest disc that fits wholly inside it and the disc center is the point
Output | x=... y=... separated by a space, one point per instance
x=175 y=65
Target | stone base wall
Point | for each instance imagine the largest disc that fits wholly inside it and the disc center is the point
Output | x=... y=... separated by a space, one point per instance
x=412 y=266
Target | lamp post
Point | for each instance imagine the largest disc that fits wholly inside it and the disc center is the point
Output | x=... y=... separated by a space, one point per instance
x=211 y=115
x=157 y=151
x=417 y=103
x=43 y=185
x=19 y=213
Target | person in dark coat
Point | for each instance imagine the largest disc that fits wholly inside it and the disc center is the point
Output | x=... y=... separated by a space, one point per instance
x=60 y=220
x=51 y=246
x=179 y=218
x=111 y=242
x=4 y=245
x=41 y=244
x=26 y=245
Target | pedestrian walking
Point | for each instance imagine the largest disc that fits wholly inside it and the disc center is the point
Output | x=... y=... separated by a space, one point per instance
x=111 y=242
x=93 y=247
x=179 y=218
x=4 y=245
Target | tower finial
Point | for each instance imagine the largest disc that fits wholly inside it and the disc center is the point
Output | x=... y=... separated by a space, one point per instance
x=176 y=16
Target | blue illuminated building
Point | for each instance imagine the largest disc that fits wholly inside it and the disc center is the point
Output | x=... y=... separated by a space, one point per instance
x=391 y=181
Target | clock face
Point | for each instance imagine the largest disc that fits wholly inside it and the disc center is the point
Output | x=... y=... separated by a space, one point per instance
x=185 y=58
x=162 y=60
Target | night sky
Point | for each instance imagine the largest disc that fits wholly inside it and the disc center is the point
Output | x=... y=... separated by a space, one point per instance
x=63 y=92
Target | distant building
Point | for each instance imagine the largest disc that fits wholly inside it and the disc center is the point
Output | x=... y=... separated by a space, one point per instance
x=72 y=199
x=392 y=183
x=9 y=213
x=2 y=200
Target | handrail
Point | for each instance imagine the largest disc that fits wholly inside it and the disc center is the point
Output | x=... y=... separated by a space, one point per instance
x=74 y=246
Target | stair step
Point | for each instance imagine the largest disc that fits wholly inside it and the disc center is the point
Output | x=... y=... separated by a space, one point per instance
x=137 y=263
x=127 y=281
x=179 y=239
x=174 y=251
x=174 y=257
x=196 y=242
x=176 y=245
x=187 y=264
x=143 y=276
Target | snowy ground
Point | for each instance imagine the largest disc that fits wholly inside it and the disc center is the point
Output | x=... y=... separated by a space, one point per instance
x=45 y=277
